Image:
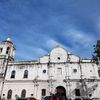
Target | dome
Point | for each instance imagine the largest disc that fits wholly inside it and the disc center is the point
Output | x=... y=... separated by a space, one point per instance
x=8 y=39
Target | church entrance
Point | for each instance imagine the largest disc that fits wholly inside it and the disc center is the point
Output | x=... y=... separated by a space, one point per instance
x=59 y=95
x=60 y=90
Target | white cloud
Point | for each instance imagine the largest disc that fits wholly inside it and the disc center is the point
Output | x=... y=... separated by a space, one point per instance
x=52 y=43
x=79 y=36
x=40 y=51
x=29 y=52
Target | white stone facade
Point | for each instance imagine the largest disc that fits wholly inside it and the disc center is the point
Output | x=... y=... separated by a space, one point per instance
x=58 y=68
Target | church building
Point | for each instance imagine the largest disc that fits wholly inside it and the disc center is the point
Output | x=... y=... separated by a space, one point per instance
x=39 y=78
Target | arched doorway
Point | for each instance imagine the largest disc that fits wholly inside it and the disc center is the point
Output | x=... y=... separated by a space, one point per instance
x=23 y=94
x=59 y=95
x=60 y=90
x=9 y=95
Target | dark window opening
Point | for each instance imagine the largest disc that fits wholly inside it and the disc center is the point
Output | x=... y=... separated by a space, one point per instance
x=1 y=50
x=99 y=73
x=8 y=48
x=31 y=94
x=74 y=70
x=9 y=95
x=43 y=92
x=93 y=88
x=90 y=95
x=77 y=92
x=13 y=74
x=58 y=58
x=26 y=74
x=23 y=94
x=90 y=70
x=44 y=71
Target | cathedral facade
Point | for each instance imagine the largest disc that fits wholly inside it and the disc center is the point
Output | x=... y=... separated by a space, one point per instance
x=39 y=78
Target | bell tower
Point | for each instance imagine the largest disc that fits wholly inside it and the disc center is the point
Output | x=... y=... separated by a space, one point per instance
x=7 y=51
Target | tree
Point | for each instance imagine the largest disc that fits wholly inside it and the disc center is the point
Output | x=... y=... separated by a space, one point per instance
x=96 y=56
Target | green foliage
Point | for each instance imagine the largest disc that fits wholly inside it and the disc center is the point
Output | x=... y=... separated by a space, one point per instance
x=96 y=56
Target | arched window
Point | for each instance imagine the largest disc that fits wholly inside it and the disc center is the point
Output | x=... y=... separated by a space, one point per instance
x=1 y=49
x=77 y=92
x=26 y=74
x=13 y=74
x=99 y=73
x=23 y=94
x=7 y=51
x=9 y=95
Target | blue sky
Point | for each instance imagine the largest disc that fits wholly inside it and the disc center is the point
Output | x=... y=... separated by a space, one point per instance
x=36 y=26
